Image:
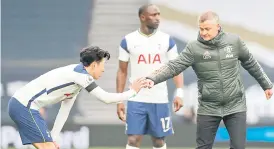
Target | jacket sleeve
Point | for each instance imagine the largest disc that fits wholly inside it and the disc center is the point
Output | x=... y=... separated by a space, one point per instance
x=173 y=67
x=252 y=66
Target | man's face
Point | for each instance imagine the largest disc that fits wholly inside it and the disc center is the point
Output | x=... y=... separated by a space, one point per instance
x=209 y=29
x=96 y=69
x=151 y=17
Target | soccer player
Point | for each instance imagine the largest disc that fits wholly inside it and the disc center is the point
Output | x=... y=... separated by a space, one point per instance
x=61 y=85
x=147 y=49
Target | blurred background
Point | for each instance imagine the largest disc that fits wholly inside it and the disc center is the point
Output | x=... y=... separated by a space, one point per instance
x=40 y=35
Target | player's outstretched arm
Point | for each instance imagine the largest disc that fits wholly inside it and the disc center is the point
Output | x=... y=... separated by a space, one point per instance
x=117 y=97
x=173 y=67
x=61 y=118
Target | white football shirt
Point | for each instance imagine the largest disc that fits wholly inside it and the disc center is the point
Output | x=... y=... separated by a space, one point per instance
x=54 y=86
x=146 y=54
x=64 y=84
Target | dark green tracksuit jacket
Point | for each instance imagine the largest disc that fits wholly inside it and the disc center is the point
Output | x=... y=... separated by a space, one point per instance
x=217 y=66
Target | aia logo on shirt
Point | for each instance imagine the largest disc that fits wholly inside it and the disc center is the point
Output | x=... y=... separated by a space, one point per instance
x=149 y=59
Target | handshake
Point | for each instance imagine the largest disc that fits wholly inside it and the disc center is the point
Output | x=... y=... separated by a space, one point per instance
x=141 y=83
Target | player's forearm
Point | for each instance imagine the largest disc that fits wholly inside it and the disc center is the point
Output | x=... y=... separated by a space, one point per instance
x=178 y=81
x=121 y=81
x=112 y=97
x=58 y=125
x=61 y=118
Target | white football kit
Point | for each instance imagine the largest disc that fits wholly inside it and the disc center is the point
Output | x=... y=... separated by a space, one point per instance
x=148 y=112
x=59 y=85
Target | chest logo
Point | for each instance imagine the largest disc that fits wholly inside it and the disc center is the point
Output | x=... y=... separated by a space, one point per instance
x=228 y=50
x=69 y=95
x=206 y=55
x=149 y=59
x=159 y=46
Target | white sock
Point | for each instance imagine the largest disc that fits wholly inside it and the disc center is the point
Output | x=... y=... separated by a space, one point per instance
x=131 y=147
x=163 y=147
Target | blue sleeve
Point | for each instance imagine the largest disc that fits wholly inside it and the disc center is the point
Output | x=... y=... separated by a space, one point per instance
x=124 y=45
x=171 y=43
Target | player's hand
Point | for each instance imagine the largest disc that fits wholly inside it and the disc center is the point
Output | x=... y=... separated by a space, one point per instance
x=121 y=112
x=138 y=84
x=268 y=93
x=149 y=83
x=56 y=145
x=178 y=104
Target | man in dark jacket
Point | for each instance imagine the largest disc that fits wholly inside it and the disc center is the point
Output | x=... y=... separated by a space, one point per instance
x=216 y=57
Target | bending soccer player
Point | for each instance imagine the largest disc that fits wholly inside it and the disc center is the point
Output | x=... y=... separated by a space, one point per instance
x=61 y=85
x=147 y=49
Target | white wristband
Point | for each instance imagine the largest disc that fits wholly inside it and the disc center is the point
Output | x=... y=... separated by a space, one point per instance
x=179 y=92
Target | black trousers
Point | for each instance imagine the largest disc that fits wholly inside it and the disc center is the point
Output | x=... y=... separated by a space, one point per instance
x=207 y=127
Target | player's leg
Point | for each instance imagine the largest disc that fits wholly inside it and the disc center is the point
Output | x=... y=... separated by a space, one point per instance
x=136 y=122
x=158 y=142
x=43 y=129
x=236 y=126
x=160 y=124
x=45 y=145
x=206 y=130
x=31 y=126
x=134 y=141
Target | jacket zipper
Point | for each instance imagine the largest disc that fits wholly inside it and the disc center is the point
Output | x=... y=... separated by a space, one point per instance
x=221 y=80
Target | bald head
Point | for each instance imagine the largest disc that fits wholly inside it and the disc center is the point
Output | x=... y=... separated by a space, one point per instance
x=143 y=9
x=149 y=15
x=208 y=16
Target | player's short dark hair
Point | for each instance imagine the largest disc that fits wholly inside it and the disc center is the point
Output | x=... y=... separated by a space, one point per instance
x=91 y=54
x=143 y=8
